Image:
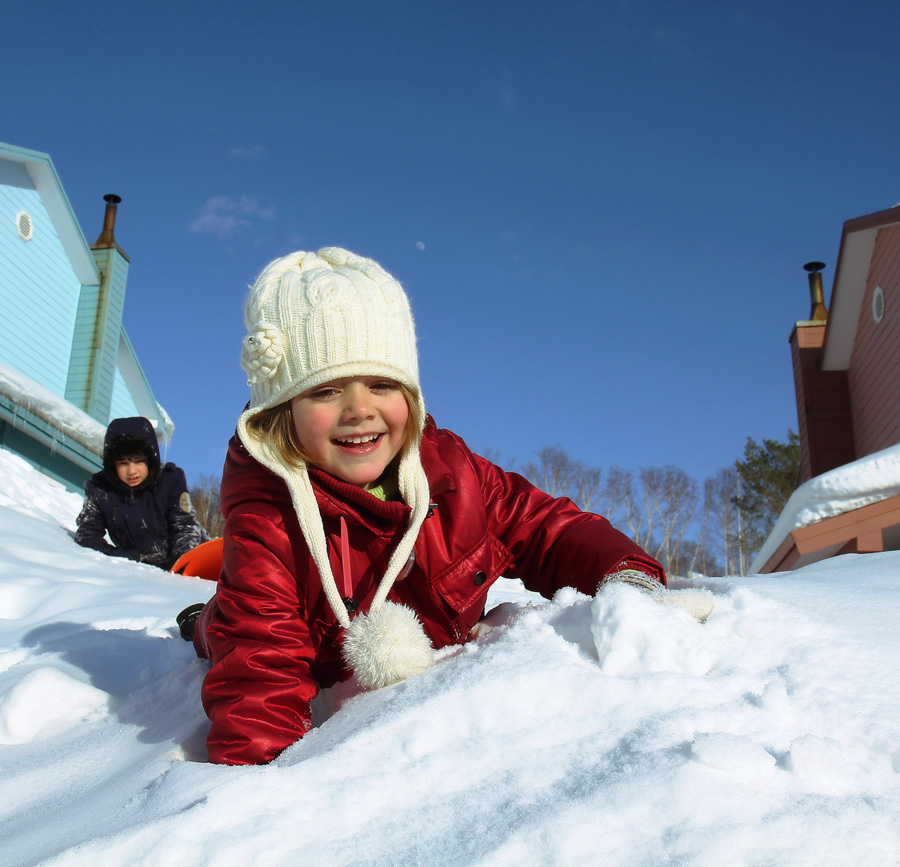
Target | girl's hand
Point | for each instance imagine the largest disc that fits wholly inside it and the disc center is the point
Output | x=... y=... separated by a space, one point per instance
x=698 y=603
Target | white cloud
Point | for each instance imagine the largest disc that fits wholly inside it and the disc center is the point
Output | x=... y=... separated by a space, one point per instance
x=223 y=216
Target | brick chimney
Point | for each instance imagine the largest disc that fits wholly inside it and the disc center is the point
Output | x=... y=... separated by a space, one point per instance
x=825 y=422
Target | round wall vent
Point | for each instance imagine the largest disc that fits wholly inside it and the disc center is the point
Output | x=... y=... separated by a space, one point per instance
x=24 y=225
x=878 y=304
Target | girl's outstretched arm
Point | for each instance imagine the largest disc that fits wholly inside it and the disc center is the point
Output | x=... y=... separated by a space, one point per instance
x=553 y=542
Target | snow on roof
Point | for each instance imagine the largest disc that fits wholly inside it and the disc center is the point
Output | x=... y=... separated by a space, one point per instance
x=868 y=480
x=56 y=411
x=63 y=415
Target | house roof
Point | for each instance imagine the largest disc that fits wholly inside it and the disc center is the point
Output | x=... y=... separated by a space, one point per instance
x=26 y=399
x=844 y=491
x=849 y=289
x=43 y=175
x=139 y=388
x=49 y=187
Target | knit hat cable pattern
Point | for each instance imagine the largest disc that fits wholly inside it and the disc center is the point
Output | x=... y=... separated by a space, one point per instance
x=312 y=318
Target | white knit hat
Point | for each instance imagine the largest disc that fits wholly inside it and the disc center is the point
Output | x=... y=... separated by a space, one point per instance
x=312 y=318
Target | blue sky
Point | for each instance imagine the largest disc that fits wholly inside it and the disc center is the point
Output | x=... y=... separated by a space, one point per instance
x=600 y=210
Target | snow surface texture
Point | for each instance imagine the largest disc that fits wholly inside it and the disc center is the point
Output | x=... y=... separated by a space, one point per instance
x=851 y=486
x=578 y=732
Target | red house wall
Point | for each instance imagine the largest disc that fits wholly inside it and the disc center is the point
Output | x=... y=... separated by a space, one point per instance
x=823 y=406
x=874 y=372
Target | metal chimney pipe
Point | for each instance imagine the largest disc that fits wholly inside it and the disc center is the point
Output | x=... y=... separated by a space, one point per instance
x=107 y=236
x=818 y=310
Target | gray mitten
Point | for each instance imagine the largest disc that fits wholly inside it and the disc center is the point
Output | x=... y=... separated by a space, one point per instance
x=698 y=603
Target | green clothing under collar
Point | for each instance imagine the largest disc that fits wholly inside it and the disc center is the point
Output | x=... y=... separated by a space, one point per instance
x=387 y=489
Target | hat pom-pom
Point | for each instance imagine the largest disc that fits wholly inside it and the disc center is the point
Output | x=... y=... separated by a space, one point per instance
x=387 y=646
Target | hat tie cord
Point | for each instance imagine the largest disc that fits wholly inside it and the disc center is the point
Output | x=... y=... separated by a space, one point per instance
x=346 y=572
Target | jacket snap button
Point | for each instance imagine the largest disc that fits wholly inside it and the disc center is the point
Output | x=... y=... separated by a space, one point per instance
x=480 y=578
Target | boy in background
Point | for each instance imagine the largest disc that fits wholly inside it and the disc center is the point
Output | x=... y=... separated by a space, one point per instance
x=142 y=504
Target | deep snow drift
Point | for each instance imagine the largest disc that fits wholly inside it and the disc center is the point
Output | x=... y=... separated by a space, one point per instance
x=607 y=731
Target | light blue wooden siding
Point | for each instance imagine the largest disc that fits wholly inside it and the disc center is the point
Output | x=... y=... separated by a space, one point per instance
x=123 y=405
x=115 y=270
x=81 y=362
x=92 y=368
x=38 y=288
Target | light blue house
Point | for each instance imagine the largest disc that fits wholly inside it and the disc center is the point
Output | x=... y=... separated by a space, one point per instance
x=67 y=366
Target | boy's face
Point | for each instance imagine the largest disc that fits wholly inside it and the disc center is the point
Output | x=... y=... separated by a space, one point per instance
x=352 y=427
x=132 y=471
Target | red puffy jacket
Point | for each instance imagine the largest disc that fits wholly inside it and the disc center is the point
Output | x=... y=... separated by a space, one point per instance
x=271 y=634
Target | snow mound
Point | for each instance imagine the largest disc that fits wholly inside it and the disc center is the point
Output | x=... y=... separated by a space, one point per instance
x=634 y=635
x=45 y=701
x=31 y=493
x=578 y=731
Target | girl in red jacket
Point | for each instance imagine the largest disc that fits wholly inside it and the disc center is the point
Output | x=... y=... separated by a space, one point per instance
x=359 y=537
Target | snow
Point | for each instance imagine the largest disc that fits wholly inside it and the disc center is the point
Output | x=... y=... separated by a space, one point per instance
x=868 y=480
x=53 y=409
x=581 y=732
x=62 y=415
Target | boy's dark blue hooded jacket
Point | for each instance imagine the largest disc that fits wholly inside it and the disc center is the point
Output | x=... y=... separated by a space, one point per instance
x=153 y=522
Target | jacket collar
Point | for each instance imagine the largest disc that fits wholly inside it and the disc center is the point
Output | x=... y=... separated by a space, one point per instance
x=438 y=473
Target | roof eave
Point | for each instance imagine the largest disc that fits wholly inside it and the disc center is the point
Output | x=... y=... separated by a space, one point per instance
x=46 y=181
x=849 y=289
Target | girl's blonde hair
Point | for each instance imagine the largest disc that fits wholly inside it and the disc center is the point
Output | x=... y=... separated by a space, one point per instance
x=277 y=425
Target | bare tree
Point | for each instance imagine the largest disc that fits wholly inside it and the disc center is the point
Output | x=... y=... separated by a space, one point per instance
x=563 y=476
x=669 y=502
x=617 y=500
x=205 y=499
x=659 y=507
x=586 y=487
x=624 y=508
x=553 y=472
x=693 y=557
x=721 y=494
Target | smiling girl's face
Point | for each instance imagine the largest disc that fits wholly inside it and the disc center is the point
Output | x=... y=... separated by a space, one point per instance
x=352 y=427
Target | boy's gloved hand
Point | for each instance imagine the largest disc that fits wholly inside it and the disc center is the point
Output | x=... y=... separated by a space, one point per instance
x=698 y=603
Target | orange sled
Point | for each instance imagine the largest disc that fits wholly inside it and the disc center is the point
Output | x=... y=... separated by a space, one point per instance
x=204 y=561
